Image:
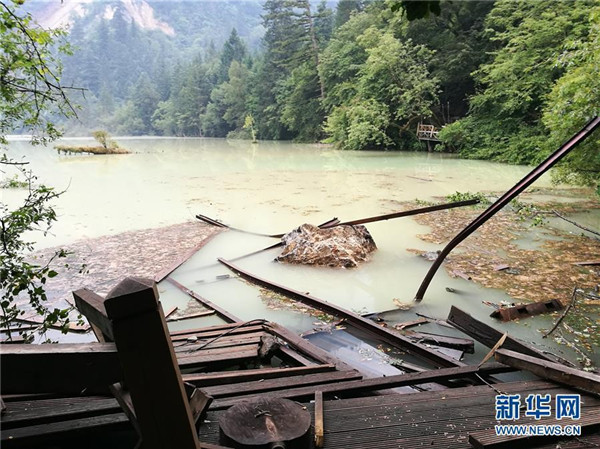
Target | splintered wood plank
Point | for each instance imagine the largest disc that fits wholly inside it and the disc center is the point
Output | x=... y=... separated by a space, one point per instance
x=549 y=370
x=259 y=386
x=59 y=368
x=319 y=424
x=487 y=335
x=232 y=377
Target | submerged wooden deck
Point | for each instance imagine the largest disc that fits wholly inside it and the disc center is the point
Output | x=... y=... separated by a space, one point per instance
x=63 y=395
x=428 y=419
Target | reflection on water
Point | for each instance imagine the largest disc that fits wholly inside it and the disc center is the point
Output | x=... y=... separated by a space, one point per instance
x=272 y=187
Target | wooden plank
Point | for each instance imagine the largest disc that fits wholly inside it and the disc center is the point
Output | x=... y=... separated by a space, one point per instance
x=226 y=358
x=215 y=333
x=92 y=307
x=305 y=347
x=373 y=384
x=550 y=370
x=258 y=386
x=464 y=344
x=171 y=311
x=289 y=355
x=152 y=376
x=589 y=422
x=64 y=410
x=21 y=436
x=59 y=368
x=319 y=424
x=356 y=320
x=192 y=315
x=224 y=314
x=487 y=335
x=232 y=377
x=224 y=342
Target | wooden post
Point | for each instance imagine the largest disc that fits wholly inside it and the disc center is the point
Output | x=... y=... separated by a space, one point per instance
x=319 y=428
x=150 y=367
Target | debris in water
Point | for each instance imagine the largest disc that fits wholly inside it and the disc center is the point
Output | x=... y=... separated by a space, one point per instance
x=341 y=246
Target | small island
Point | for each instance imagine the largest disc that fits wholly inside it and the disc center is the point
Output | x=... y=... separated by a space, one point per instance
x=107 y=146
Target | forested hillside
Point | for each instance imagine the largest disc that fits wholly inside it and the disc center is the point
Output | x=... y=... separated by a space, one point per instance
x=506 y=80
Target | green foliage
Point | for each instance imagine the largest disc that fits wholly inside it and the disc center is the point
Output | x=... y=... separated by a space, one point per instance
x=29 y=74
x=103 y=138
x=505 y=122
x=30 y=88
x=13 y=182
x=573 y=101
x=484 y=201
x=392 y=89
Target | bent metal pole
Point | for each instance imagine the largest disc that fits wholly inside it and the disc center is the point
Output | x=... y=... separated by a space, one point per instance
x=506 y=198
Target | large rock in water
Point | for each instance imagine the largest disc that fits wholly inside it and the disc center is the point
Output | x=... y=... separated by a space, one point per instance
x=340 y=246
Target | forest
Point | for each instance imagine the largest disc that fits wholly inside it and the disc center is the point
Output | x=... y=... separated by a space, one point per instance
x=505 y=80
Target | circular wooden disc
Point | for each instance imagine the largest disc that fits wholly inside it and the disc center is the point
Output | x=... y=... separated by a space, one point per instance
x=265 y=421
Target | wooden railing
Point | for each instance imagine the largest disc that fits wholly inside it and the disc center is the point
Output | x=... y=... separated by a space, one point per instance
x=427 y=132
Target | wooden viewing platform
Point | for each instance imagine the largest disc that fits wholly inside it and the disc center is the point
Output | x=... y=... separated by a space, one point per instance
x=141 y=382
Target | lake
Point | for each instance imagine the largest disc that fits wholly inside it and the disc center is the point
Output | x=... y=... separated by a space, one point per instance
x=273 y=187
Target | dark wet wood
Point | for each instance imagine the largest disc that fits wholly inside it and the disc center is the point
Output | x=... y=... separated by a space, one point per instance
x=464 y=344
x=549 y=370
x=59 y=368
x=487 y=335
x=152 y=377
x=259 y=386
x=526 y=310
x=233 y=377
x=262 y=422
x=349 y=388
x=92 y=307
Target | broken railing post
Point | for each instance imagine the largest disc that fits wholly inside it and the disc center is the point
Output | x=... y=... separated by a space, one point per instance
x=505 y=199
x=149 y=365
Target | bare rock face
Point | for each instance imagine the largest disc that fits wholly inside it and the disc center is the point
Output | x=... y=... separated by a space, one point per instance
x=341 y=246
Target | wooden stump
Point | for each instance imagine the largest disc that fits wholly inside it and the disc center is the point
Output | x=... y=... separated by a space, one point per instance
x=266 y=423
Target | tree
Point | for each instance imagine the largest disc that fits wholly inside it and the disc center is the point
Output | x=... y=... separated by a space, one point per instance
x=392 y=89
x=505 y=120
x=30 y=87
x=573 y=101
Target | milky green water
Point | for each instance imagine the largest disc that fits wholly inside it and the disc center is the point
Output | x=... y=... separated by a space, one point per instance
x=273 y=187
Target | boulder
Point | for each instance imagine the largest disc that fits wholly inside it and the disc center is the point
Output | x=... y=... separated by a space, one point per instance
x=340 y=246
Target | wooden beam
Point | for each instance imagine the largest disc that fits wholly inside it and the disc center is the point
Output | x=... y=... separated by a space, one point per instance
x=463 y=344
x=305 y=347
x=319 y=425
x=92 y=307
x=152 y=376
x=58 y=368
x=232 y=377
x=378 y=383
x=224 y=314
x=365 y=324
x=487 y=335
x=549 y=370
